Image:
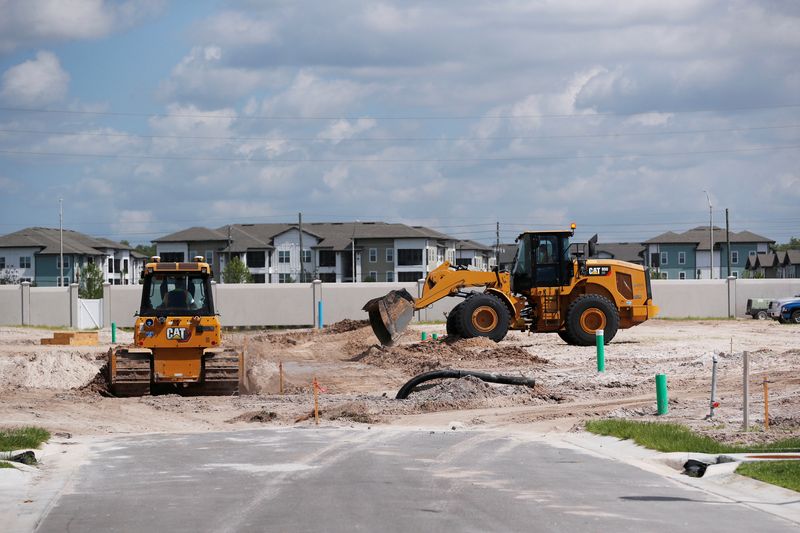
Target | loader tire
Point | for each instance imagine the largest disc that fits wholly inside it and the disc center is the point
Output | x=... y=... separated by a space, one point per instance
x=565 y=336
x=589 y=313
x=484 y=315
x=454 y=321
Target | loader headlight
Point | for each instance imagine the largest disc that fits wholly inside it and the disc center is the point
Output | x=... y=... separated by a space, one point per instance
x=149 y=322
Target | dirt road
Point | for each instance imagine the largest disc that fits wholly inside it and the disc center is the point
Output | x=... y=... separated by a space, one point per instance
x=58 y=387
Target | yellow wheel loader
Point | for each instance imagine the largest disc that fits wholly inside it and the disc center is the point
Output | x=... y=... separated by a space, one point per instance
x=547 y=290
x=177 y=338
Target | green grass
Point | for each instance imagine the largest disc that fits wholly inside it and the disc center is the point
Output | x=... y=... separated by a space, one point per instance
x=693 y=318
x=666 y=437
x=6 y=464
x=19 y=438
x=785 y=474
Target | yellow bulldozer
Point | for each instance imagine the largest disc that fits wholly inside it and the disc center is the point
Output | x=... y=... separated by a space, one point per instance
x=547 y=290
x=177 y=338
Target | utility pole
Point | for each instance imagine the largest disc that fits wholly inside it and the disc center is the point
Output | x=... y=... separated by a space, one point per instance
x=728 y=240
x=497 y=246
x=353 y=247
x=61 y=241
x=711 y=237
x=300 y=224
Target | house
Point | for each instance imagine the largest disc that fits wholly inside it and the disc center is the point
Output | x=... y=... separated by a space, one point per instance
x=771 y=265
x=474 y=255
x=632 y=252
x=33 y=254
x=330 y=251
x=506 y=254
x=688 y=255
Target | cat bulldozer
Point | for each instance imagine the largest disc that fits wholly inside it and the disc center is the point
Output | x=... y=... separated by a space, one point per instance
x=177 y=338
x=547 y=290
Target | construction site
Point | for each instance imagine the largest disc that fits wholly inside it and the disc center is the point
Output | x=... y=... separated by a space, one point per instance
x=64 y=388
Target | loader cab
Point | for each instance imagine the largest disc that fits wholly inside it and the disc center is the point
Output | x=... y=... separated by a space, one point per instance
x=542 y=260
x=176 y=294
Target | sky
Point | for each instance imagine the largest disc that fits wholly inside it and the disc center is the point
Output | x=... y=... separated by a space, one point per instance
x=627 y=118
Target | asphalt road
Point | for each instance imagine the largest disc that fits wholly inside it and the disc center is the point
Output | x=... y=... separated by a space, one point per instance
x=377 y=480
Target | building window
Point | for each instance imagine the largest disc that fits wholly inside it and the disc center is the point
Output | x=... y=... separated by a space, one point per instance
x=209 y=257
x=408 y=257
x=327 y=258
x=753 y=253
x=681 y=258
x=390 y=276
x=283 y=257
x=256 y=259
x=665 y=275
x=2 y=262
x=259 y=278
x=464 y=261
x=681 y=275
x=58 y=262
x=285 y=278
x=734 y=257
x=327 y=277
x=664 y=258
x=735 y=274
x=409 y=276
x=192 y=254
x=373 y=255
x=390 y=255
x=25 y=262
x=373 y=276
x=124 y=265
x=306 y=256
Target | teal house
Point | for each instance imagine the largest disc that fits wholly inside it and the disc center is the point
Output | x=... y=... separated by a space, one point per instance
x=690 y=255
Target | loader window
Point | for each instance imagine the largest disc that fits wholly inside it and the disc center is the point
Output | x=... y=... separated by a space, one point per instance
x=521 y=279
x=548 y=255
x=176 y=294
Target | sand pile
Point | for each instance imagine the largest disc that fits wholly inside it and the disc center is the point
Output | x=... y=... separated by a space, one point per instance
x=343 y=326
x=474 y=354
x=49 y=370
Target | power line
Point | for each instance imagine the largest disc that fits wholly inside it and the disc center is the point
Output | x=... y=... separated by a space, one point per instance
x=386 y=117
x=410 y=160
x=394 y=139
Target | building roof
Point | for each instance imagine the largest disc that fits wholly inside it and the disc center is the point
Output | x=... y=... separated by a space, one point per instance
x=632 y=252
x=336 y=236
x=195 y=233
x=472 y=245
x=48 y=242
x=767 y=260
x=789 y=257
x=507 y=253
x=701 y=237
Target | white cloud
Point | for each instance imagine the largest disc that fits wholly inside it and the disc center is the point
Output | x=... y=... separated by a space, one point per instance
x=36 y=82
x=129 y=222
x=202 y=77
x=235 y=28
x=309 y=95
x=38 y=21
x=346 y=129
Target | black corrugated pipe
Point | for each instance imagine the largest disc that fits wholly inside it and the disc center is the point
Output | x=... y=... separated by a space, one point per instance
x=408 y=388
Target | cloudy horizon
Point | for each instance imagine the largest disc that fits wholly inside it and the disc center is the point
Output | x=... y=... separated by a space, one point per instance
x=147 y=117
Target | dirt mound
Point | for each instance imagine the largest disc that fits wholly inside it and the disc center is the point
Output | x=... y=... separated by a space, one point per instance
x=424 y=356
x=343 y=326
x=261 y=416
x=55 y=370
x=461 y=393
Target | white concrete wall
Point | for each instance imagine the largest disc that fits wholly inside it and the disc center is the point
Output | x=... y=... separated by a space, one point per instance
x=293 y=304
x=11 y=304
x=50 y=306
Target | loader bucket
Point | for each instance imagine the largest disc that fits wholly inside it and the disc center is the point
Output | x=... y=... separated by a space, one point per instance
x=390 y=315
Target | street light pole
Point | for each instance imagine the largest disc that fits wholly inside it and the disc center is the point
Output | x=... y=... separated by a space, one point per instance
x=711 y=237
x=60 y=242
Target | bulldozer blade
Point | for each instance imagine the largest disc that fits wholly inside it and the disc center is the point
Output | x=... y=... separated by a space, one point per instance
x=390 y=315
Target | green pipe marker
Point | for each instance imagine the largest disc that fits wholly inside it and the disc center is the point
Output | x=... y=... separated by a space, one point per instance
x=601 y=350
x=113 y=332
x=661 y=394
x=424 y=335
x=435 y=336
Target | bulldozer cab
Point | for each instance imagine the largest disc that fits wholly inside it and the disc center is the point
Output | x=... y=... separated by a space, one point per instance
x=542 y=260
x=176 y=294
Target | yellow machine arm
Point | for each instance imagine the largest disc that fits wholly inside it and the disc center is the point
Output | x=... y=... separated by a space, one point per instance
x=442 y=282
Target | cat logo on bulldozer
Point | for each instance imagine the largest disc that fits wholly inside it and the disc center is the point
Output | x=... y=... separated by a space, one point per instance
x=177 y=334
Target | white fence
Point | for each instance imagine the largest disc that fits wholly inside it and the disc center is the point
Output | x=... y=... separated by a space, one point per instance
x=297 y=304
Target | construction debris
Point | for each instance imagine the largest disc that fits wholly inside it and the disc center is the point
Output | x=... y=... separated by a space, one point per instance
x=73 y=338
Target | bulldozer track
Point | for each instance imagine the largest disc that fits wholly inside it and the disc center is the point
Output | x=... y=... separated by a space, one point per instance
x=221 y=373
x=132 y=375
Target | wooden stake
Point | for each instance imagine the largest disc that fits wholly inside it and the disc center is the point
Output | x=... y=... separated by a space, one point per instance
x=316 y=401
x=280 y=376
x=766 y=404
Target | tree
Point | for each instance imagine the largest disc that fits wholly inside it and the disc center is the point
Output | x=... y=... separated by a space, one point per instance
x=9 y=276
x=236 y=271
x=793 y=244
x=91 y=286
